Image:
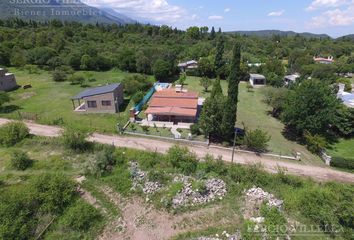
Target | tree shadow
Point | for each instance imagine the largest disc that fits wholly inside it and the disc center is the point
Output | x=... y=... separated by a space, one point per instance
x=9 y=108
x=124 y=105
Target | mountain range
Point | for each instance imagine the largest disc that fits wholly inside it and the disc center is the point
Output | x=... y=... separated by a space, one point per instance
x=270 y=33
x=65 y=10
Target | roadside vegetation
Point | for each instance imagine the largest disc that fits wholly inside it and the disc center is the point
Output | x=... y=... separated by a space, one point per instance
x=44 y=199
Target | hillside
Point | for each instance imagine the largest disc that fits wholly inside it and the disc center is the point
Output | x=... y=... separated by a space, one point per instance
x=75 y=11
x=347 y=37
x=270 y=33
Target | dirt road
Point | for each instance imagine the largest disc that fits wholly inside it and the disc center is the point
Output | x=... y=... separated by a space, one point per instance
x=270 y=164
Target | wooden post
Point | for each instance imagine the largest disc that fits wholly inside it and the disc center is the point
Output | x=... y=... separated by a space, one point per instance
x=73 y=104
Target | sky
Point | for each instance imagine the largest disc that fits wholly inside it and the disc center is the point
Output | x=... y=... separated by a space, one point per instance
x=333 y=17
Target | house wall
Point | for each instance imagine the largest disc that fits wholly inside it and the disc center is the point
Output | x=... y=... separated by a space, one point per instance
x=257 y=82
x=7 y=82
x=117 y=94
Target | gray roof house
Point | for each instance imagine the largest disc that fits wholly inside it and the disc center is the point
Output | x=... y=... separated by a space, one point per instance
x=257 y=80
x=7 y=81
x=104 y=99
x=193 y=64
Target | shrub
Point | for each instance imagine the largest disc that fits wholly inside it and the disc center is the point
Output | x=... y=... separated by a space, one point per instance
x=4 y=98
x=136 y=82
x=346 y=82
x=256 y=140
x=273 y=219
x=341 y=162
x=80 y=216
x=59 y=75
x=20 y=160
x=75 y=140
x=315 y=143
x=54 y=192
x=145 y=128
x=182 y=159
x=102 y=162
x=77 y=79
x=12 y=133
x=195 y=129
x=158 y=176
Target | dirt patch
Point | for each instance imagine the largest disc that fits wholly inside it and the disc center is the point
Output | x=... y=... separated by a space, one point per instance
x=27 y=95
x=140 y=220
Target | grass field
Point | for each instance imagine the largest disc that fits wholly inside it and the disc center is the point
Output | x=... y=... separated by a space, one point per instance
x=253 y=112
x=51 y=101
x=344 y=148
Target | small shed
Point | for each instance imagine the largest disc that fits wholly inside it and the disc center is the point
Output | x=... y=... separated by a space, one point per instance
x=289 y=79
x=7 y=80
x=257 y=80
x=104 y=99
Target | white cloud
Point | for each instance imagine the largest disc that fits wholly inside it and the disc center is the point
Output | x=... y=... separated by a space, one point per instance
x=317 y=4
x=155 y=10
x=227 y=9
x=276 y=14
x=215 y=17
x=335 y=17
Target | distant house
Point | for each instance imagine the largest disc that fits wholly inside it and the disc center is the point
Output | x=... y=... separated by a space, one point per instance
x=321 y=60
x=288 y=79
x=7 y=80
x=347 y=98
x=257 y=80
x=105 y=99
x=188 y=65
x=171 y=105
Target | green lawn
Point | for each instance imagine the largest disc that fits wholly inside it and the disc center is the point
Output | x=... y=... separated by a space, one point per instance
x=253 y=112
x=344 y=148
x=51 y=101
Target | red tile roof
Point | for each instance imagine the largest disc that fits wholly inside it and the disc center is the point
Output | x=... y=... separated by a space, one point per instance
x=173 y=102
x=171 y=93
x=169 y=111
x=168 y=102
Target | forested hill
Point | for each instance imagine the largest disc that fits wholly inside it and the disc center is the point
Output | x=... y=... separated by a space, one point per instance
x=56 y=9
x=270 y=33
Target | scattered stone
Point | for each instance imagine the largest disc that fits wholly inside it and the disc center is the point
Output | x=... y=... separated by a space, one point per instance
x=151 y=187
x=214 y=189
x=258 y=194
x=257 y=220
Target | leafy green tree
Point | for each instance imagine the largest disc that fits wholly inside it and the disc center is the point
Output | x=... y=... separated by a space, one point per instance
x=193 y=32
x=205 y=82
x=137 y=97
x=325 y=72
x=182 y=79
x=77 y=79
x=212 y=112
x=59 y=75
x=20 y=160
x=81 y=216
x=212 y=33
x=18 y=58
x=311 y=106
x=12 y=133
x=136 y=82
x=216 y=90
x=54 y=192
x=256 y=140
x=315 y=143
x=161 y=70
x=275 y=97
x=205 y=67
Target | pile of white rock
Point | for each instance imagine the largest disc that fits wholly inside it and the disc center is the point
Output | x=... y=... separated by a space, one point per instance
x=140 y=180
x=151 y=187
x=214 y=189
x=258 y=194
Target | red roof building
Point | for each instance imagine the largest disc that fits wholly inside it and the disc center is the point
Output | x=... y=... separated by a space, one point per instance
x=172 y=106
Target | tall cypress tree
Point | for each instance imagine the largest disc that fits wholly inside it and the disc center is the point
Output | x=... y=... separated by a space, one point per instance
x=217 y=90
x=212 y=33
x=219 y=63
x=230 y=107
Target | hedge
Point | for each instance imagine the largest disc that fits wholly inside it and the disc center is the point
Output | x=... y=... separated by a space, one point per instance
x=341 y=162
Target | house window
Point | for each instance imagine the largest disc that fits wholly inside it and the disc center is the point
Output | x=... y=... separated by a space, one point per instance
x=106 y=103
x=91 y=104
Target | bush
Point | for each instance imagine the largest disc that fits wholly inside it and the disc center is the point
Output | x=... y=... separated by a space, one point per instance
x=4 y=98
x=274 y=220
x=182 y=159
x=347 y=83
x=59 y=76
x=341 y=162
x=12 y=133
x=54 y=192
x=195 y=129
x=158 y=176
x=75 y=140
x=20 y=160
x=315 y=143
x=256 y=140
x=102 y=162
x=77 y=79
x=81 y=216
x=136 y=82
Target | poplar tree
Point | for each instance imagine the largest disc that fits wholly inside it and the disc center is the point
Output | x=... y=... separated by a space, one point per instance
x=219 y=63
